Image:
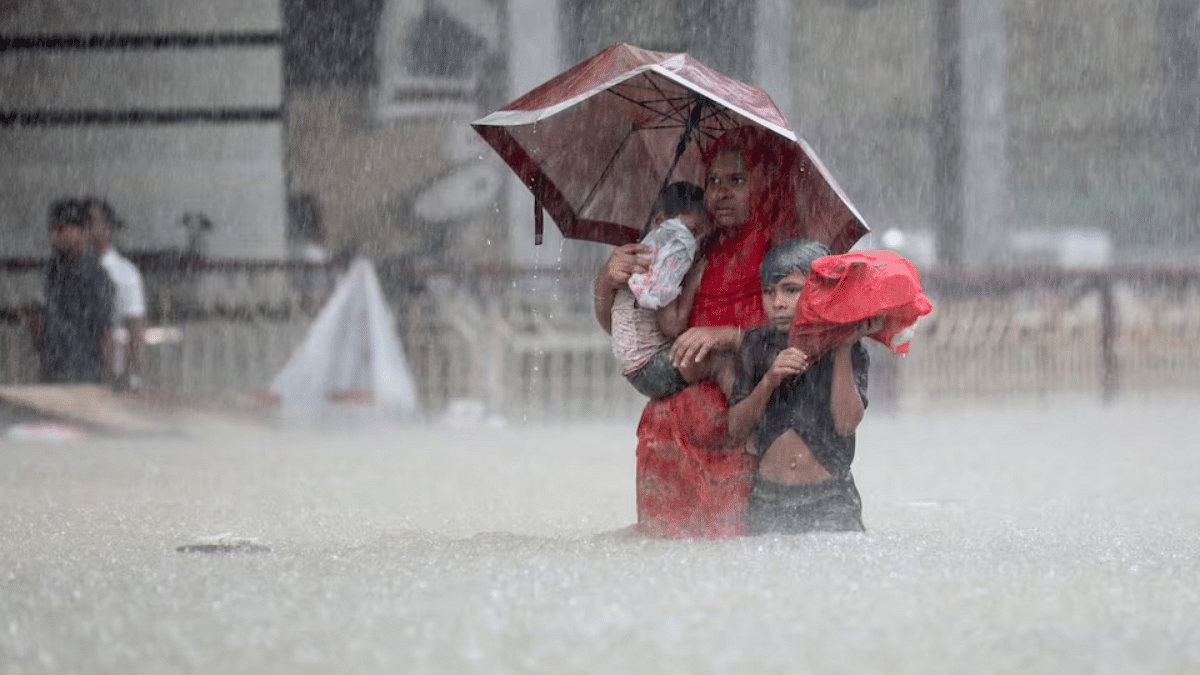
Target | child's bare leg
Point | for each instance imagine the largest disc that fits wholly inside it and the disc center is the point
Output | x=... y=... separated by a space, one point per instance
x=693 y=372
x=722 y=372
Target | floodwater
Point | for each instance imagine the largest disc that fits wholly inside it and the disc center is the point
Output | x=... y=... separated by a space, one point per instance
x=1041 y=538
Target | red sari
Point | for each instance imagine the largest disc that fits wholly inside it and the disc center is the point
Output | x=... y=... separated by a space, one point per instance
x=692 y=481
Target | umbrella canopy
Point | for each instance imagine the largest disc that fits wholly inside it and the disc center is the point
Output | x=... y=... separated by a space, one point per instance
x=596 y=143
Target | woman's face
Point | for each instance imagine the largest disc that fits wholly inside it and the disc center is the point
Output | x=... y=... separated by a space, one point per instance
x=727 y=193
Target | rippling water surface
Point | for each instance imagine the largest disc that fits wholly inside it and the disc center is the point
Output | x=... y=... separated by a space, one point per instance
x=1031 y=539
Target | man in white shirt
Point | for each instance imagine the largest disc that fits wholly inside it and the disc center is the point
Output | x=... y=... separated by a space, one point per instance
x=129 y=308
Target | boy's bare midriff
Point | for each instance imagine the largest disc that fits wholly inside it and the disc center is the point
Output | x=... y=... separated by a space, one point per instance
x=789 y=460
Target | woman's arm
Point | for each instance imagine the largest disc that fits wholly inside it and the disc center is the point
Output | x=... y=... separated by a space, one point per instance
x=623 y=262
x=698 y=342
x=746 y=413
x=673 y=318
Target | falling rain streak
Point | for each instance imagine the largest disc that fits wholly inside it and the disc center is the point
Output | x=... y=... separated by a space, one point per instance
x=377 y=429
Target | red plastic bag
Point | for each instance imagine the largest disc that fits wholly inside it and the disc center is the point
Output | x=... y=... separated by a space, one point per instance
x=843 y=290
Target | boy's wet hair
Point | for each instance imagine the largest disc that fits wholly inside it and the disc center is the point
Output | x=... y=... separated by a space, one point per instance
x=788 y=255
x=679 y=197
x=67 y=212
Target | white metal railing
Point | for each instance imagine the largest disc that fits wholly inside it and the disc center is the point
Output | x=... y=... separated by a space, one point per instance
x=541 y=357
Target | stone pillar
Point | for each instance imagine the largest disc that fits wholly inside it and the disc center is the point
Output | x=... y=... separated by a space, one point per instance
x=984 y=56
x=946 y=136
x=1179 y=28
x=773 y=53
x=534 y=56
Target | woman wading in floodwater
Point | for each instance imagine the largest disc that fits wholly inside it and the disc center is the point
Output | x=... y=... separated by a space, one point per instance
x=692 y=479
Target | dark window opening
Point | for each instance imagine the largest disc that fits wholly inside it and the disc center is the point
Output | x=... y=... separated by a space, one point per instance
x=438 y=46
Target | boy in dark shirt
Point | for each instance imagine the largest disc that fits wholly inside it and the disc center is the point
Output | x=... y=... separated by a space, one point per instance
x=76 y=328
x=803 y=409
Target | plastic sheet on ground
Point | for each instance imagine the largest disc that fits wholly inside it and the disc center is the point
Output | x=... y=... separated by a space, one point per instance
x=351 y=364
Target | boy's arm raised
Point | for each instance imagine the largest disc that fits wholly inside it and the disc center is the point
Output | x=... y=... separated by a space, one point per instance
x=746 y=413
x=845 y=402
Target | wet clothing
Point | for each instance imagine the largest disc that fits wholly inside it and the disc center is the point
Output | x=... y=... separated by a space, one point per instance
x=801 y=402
x=692 y=481
x=638 y=344
x=635 y=333
x=79 y=309
x=832 y=505
x=658 y=377
x=672 y=251
x=642 y=350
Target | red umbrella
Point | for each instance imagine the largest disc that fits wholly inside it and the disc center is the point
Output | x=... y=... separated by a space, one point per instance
x=596 y=143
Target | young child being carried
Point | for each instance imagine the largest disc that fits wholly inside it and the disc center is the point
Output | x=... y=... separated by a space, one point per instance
x=803 y=416
x=653 y=308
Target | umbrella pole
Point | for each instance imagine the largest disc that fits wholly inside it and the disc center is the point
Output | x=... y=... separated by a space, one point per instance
x=689 y=127
x=538 y=215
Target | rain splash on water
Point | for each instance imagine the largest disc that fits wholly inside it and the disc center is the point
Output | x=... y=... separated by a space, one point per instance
x=1017 y=540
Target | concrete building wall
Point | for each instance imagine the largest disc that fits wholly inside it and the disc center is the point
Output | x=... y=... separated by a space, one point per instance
x=368 y=176
x=1093 y=114
x=862 y=91
x=178 y=112
x=1098 y=130
x=378 y=128
x=1085 y=107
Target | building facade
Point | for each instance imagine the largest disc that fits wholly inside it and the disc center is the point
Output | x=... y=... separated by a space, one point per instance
x=166 y=108
x=1072 y=115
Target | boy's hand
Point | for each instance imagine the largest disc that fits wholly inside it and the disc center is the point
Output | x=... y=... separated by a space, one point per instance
x=790 y=361
x=865 y=327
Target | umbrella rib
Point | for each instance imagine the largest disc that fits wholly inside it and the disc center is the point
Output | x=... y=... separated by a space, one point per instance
x=725 y=121
x=656 y=127
x=680 y=112
x=711 y=132
x=679 y=106
x=666 y=115
x=587 y=201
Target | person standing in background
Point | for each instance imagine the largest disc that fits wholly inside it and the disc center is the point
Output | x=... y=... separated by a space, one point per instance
x=129 y=306
x=75 y=334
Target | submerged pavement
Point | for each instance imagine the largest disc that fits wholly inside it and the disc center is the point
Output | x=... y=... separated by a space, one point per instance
x=1045 y=537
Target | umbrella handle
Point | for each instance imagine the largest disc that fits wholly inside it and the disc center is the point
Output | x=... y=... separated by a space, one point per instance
x=538 y=215
x=538 y=225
